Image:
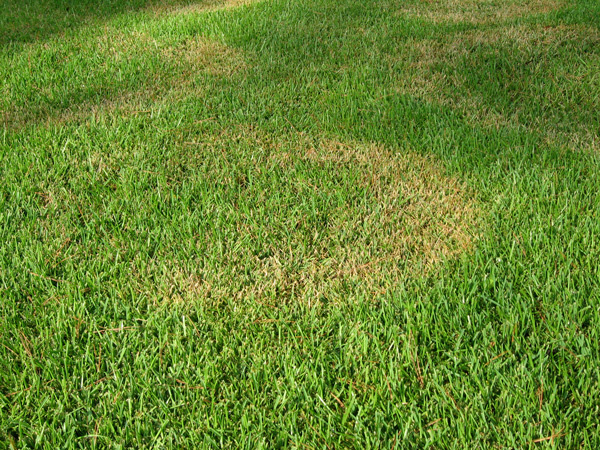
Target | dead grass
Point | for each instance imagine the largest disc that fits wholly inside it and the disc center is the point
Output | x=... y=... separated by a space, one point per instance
x=178 y=75
x=412 y=190
x=206 y=56
x=435 y=71
x=477 y=11
x=405 y=217
x=199 y=7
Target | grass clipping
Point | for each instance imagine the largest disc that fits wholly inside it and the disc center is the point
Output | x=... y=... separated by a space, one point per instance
x=325 y=220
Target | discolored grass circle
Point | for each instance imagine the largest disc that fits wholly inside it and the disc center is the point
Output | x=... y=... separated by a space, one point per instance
x=313 y=219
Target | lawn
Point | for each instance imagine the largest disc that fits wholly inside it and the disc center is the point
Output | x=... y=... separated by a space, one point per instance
x=311 y=224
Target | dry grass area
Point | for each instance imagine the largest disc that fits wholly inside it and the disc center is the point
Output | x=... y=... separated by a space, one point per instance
x=200 y=55
x=439 y=71
x=477 y=11
x=199 y=7
x=176 y=69
x=402 y=215
x=382 y=216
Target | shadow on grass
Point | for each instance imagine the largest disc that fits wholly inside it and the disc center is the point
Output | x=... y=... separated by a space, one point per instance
x=110 y=69
x=27 y=21
x=531 y=74
x=351 y=68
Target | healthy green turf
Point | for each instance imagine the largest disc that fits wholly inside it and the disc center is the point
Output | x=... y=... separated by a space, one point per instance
x=300 y=224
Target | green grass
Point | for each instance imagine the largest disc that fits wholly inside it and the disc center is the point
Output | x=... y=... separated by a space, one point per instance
x=300 y=224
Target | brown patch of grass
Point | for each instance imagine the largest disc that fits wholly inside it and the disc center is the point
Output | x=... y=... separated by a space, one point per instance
x=120 y=105
x=478 y=11
x=427 y=79
x=403 y=216
x=206 y=56
x=176 y=77
x=179 y=286
x=412 y=190
x=201 y=7
x=438 y=71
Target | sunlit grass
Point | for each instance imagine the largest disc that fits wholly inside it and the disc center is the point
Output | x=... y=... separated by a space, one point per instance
x=285 y=224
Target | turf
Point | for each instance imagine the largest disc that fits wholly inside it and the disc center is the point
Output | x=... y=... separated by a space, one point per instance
x=300 y=224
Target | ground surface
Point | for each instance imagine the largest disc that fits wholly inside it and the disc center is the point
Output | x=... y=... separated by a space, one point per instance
x=300 y=224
